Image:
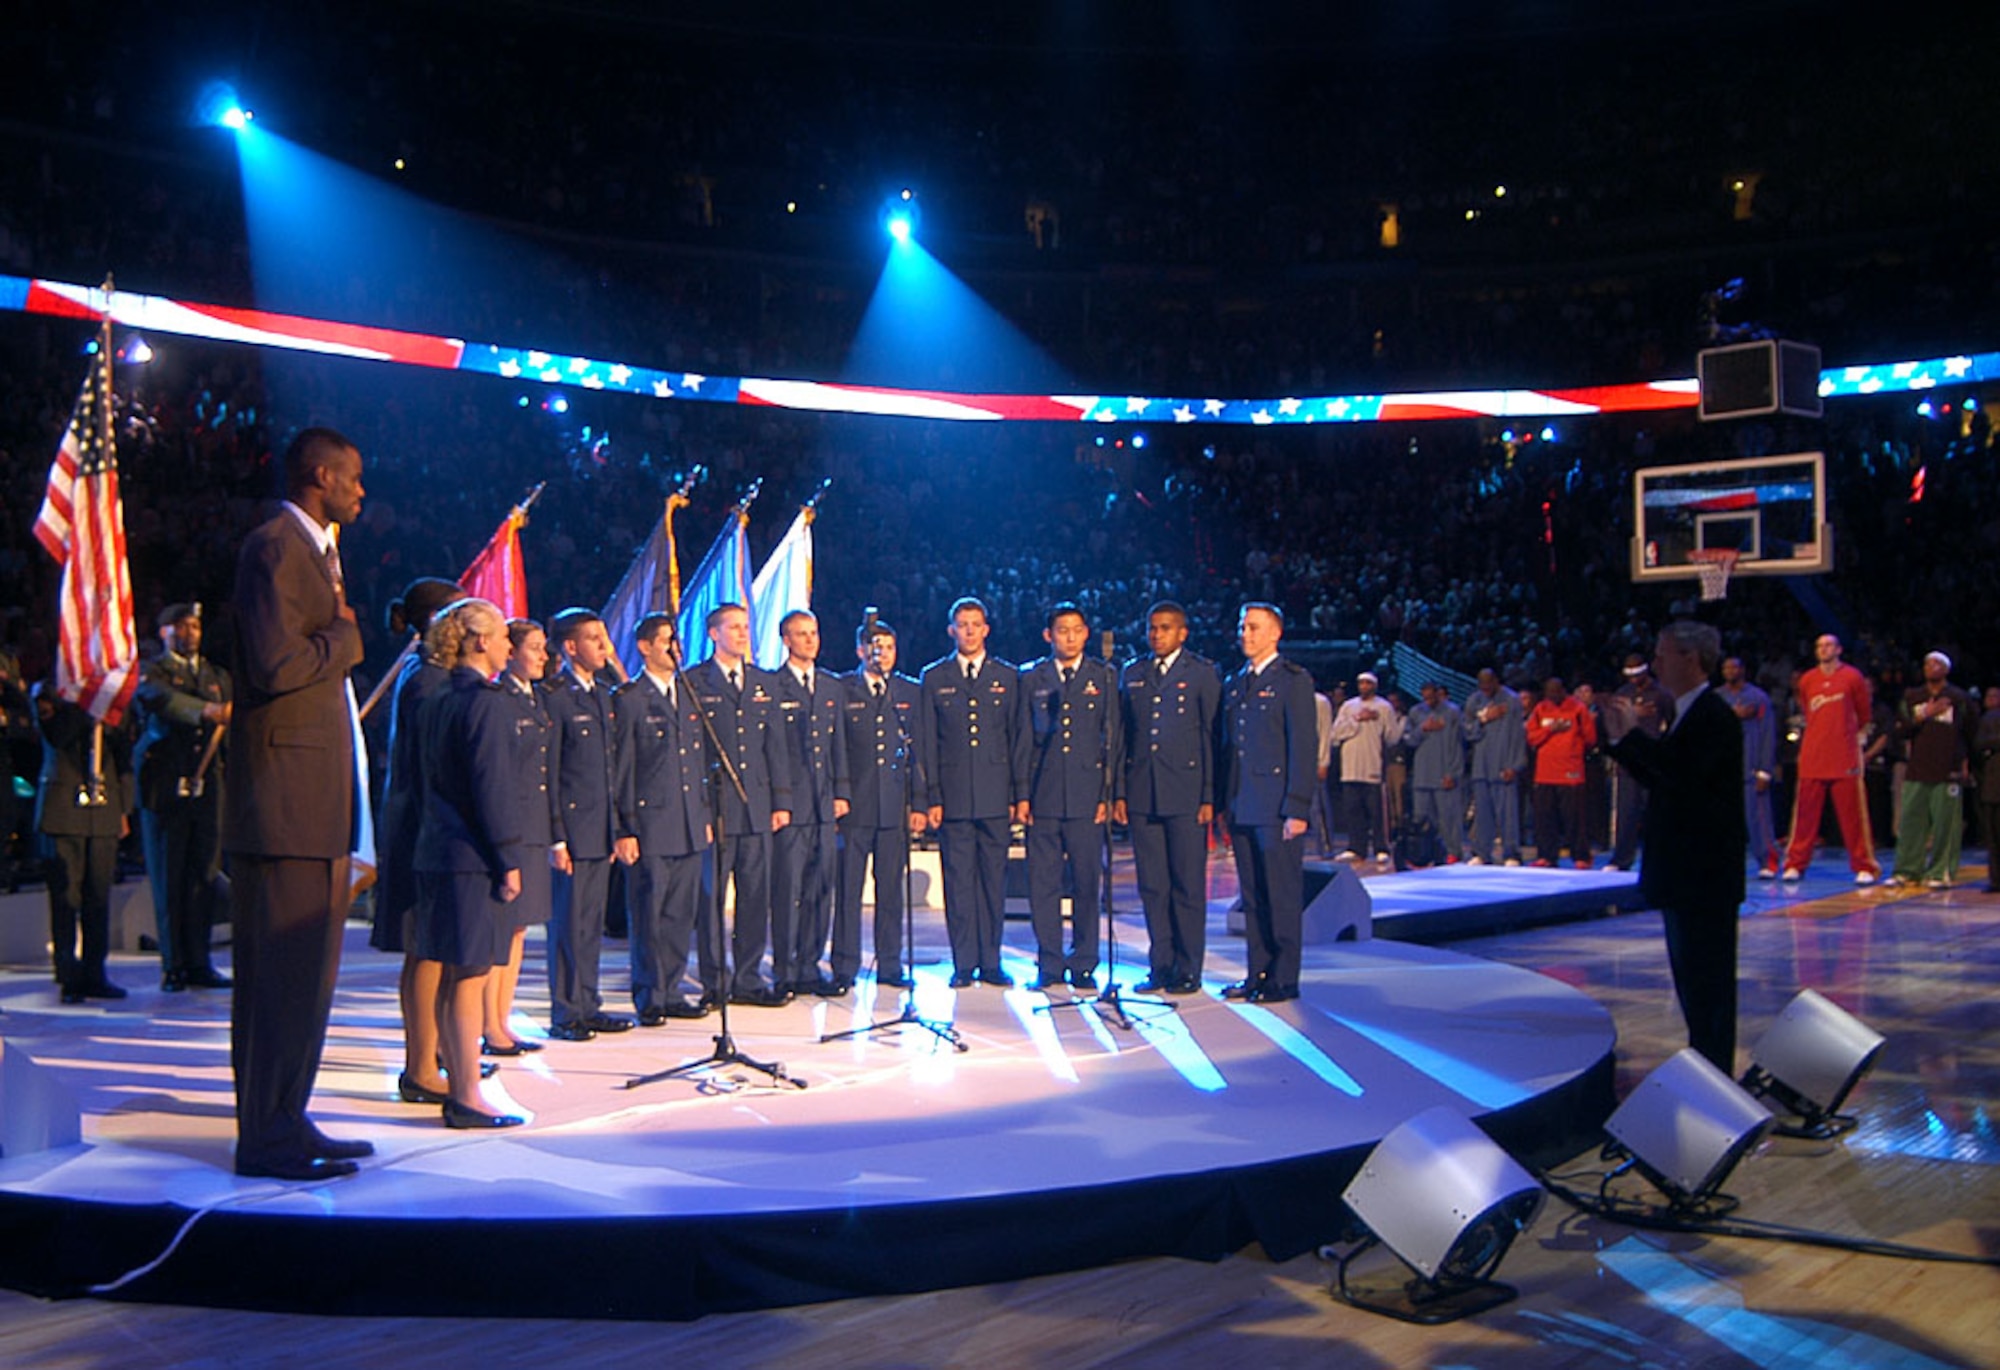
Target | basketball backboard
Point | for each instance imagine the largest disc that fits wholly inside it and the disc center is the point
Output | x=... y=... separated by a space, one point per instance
x=1771 y=511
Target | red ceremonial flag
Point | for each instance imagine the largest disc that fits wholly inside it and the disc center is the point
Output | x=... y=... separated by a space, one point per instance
x=82 y=524
x=496 y=573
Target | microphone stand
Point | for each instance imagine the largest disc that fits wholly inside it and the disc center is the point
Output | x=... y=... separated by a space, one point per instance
x=725 y=1052
x=1109 y=1001
x=908 y=1017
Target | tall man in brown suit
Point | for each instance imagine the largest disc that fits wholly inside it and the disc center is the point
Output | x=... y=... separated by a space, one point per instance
x=289 y=821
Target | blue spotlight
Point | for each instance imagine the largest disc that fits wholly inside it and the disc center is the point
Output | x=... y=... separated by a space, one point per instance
x=1548 y=434
x=1138 y=439
x=218 y=104
x=900 y=215
x=559 y=405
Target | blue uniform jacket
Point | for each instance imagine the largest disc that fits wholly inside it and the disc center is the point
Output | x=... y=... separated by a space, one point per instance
x=471 y=779
x=815 y=740
x=662 y=769
x=1270 y=745
x=582 y=765
x=1169 y=736
x=973 y=743
x=1075 y=734
x=752 y=735
x=881 y=755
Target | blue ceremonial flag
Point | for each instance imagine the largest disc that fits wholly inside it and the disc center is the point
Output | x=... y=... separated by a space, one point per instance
x=722 y=578
x=785 y=584
x=647 y=586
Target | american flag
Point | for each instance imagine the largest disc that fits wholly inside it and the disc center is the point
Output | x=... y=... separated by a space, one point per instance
x=82 y=524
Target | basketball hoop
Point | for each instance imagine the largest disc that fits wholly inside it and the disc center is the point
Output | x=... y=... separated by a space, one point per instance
x=1713 y=565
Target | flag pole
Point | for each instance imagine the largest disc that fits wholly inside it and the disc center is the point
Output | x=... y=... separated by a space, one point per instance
x=519 y=513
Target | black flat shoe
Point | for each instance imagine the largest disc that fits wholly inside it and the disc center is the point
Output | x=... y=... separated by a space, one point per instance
x=570 y=1032
x=173 y=982
x=961 y=982
x=607 y=1022
x=208 y=979
x=414 y=1093
x=487 y=1048
x=460 y=1116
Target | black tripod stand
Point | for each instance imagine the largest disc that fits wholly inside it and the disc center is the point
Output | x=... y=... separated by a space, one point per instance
x=725 y=1052
x=907 y=967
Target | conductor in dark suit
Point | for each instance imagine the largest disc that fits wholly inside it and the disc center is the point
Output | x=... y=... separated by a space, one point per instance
x=1166 y=795
x=289 y=815
x=1270 y=766
x=183 y=699
x=1691 y=865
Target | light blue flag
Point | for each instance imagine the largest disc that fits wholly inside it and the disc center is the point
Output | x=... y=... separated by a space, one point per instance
x=785 y=584
x=722 y=578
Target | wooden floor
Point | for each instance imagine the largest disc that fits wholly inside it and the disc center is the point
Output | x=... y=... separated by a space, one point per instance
x=1922 y=1169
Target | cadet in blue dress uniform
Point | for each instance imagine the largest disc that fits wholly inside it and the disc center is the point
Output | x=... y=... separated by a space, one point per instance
x=807 y=851
x=1166 y=794
x=884 y=797
x=664 y=824
x=469 y=849
x=973 y=746
x=742 y=706
x=527 y=662
x=582 y=773
x=1073 y=719
x=1269 y=757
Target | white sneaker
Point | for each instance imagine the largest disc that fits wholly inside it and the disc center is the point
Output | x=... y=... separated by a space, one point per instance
x=1791 y=876
x=1381 y=858
x=1768 y=873
x=1864 y=877
x=1347 y=855
x=1475 y=860
x=1937 y=884
x=1511 y=861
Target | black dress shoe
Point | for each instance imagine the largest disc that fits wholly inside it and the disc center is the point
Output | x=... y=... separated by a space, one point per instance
x=1042 y=984
x=762 y=997
x=1191 y=985
x=487 y=1048
x=826 y=987
x=173 y=982
x=339 y=1148
x=295 y=1168
x=102 y=989
x=999 y=979
x=684 y=1008
x=1084 y=981
x=487 y=1069
x=571 y=1032
x=1154 y=984
x=652 y=1017
x=208 y=979
x=1273 y=994
x=894 y=982
x=73 y=994
x=414 y=1093
x=841 y=986
x=1244 y=989
x=460 y=1116
x=958 y=981
x=607 y=1022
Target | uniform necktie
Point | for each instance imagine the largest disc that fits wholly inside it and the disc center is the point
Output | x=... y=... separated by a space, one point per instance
x=876 y=688
x=735 y=678
x=972 y=671
x=1160 y=668
x=1067 y=672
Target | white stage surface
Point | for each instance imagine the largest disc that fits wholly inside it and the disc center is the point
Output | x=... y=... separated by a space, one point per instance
x=1056 y=1139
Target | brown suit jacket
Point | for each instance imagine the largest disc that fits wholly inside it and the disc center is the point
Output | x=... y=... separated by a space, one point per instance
x=291 y=745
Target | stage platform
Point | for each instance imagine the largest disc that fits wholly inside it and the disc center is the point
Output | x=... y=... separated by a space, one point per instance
x=1056 y=1141
x=1446 y=903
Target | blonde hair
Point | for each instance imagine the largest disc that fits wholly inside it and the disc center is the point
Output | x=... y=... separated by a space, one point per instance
x=462 y=619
